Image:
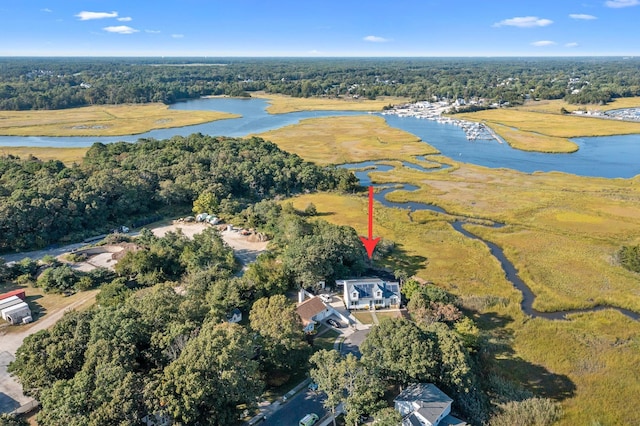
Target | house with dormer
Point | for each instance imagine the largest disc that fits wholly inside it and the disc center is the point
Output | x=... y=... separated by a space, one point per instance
x=370 y=293
x=424 y=404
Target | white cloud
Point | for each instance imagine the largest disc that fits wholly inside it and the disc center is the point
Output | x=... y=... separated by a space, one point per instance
x=524 y=22
x=86 y=16
x=582 y=16
x=616 y=4
x=152 y=31
x=125 y=19
x=120 y=29
x=375 y=39
x=177 y=35
x=573 y=44
x=46 y=9
x=543 y=43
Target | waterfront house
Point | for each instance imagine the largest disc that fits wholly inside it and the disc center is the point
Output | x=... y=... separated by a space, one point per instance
x=370 y=293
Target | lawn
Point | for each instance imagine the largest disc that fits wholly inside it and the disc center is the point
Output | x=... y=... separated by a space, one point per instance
x=363 y=316
x=388 y=314
x=44 y=304
x=280 y=104
x=104 y=120
x=562 y=232
x=326 y=340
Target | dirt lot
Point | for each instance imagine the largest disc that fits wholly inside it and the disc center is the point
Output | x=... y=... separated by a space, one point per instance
x=245 y=250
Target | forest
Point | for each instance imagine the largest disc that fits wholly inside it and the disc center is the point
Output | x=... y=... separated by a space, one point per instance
x=56 y=83
x=42 y=203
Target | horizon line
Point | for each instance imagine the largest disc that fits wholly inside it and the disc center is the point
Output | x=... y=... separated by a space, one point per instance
x=625 y=56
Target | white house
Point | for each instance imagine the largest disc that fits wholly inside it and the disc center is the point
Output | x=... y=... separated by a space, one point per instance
x=370 y=293
x=424 y=404
x=311 y=311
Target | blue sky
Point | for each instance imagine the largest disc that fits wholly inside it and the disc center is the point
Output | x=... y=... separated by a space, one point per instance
x=319 y=28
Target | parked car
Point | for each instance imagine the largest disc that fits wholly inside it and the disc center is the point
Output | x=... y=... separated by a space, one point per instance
x=313 y=386
x=326 y=298
x=333 y=323
x=308 y=420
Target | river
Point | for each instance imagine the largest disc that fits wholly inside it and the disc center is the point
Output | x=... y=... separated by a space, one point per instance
x=609 y=157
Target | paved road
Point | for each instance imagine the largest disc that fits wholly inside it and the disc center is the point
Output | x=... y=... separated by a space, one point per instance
x=296 y=408
x=39 y=254
x=351 y=344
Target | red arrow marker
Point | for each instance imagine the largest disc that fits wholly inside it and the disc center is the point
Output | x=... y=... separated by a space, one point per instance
x=370 y=243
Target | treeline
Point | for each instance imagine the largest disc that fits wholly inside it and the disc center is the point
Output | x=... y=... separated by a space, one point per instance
x=117 y=184
x=54 y=83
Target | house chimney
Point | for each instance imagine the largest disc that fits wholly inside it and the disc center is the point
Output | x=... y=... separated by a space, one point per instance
x=301 y=295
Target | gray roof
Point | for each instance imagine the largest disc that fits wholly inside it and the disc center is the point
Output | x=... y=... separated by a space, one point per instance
x=412 y=420
x=449 y=420
x=366 y=288
x=429 y=401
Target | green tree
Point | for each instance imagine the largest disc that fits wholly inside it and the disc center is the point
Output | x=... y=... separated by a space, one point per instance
x=11 y=420
x=114 y=293
x=328 y=377
x=281 y=333
x=401 y=351
x=207 y=202
x=348 y=381
x=51 y=355
x=387 y=417
x=211 y=377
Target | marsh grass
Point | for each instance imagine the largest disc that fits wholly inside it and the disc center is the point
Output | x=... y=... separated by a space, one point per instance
x=335 y=140
x=280 y=104
x=599 y=353
x=67 y=155
x=530 y=141
x=104 y=120
x=555 y=106
x=556 y=125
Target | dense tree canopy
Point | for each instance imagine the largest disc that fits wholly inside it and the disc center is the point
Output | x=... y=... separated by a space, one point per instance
x=55 y=83
x=122 y=183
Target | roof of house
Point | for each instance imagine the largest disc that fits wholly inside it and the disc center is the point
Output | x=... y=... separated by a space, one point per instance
x=310 y=308
x=366 y=289
x=428 y=401
x=449 y=420
x=19 y=293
